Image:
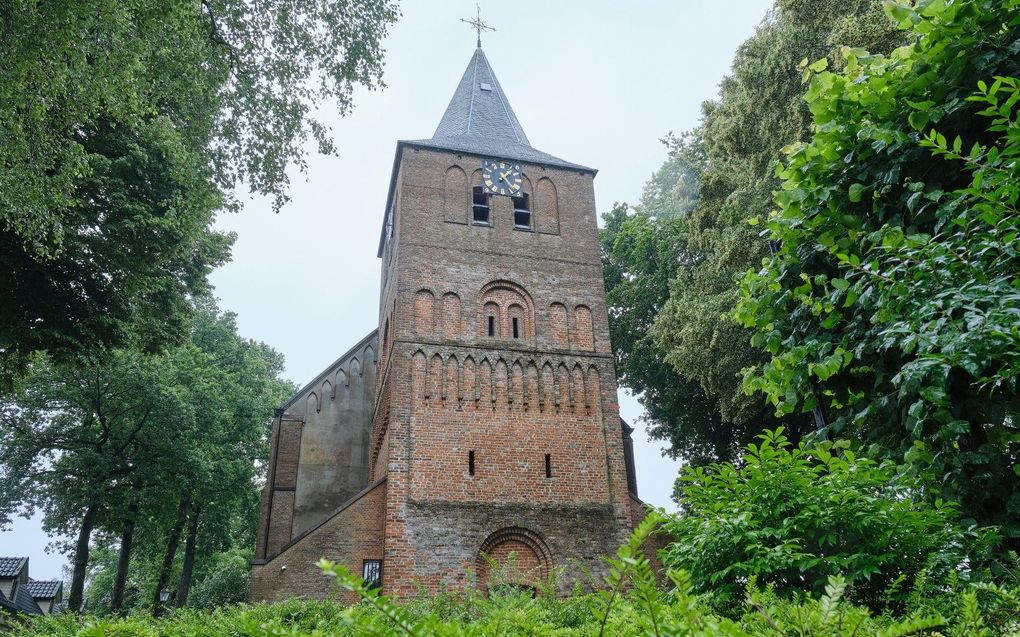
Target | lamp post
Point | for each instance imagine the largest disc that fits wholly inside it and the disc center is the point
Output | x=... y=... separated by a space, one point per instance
x=164 y=597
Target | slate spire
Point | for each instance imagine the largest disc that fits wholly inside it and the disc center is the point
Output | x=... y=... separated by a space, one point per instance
x=479 y=120
x=480 y=108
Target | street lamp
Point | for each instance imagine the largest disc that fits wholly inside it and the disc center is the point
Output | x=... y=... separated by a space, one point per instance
x=162 y=598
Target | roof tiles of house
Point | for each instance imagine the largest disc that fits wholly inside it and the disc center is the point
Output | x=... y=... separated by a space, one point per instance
x=479 y=120
x=25 y=603
x=44 y=589
x=11 y=566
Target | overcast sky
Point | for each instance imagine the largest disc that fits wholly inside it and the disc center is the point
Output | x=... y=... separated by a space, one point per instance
x=597 y=83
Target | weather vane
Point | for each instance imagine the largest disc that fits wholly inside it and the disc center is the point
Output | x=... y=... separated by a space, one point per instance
x=478 y=24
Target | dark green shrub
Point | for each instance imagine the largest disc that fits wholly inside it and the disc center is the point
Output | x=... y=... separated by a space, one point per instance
x=793 y=517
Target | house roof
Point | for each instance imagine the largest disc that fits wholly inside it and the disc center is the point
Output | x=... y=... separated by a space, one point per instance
x=11 y=566
x=44 y=589
x=480 y=120
x=23 y=600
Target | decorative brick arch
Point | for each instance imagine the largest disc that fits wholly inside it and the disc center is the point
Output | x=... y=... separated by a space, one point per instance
x=456 y=195
x=534 y=560
x=512 y=301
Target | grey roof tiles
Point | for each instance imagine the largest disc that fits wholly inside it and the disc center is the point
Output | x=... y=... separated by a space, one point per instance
x=25 y=603
x=479 y=120
x=43 y=588
x=11 y=566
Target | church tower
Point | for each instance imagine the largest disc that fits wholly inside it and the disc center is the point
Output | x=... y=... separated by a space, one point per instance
x=494 y=439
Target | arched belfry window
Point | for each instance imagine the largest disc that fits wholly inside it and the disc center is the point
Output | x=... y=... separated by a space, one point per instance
x=479 y=206
x=522 y=212
x=506 y=311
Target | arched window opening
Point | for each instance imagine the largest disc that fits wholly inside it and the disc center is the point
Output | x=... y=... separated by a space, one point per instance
x=491 y=318
x=516 y=314
x=479 y=206
x=455 y=193
x=522 y=212
x=505 y=311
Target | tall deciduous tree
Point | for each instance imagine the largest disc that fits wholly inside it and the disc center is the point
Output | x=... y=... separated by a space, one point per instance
x=895 y=297
x=123 y=123
x=672 y=325
x=126 y=442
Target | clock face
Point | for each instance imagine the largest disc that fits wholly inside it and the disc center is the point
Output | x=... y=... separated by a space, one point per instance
x=501 y=177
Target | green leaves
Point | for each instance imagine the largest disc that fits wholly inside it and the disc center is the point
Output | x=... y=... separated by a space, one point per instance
x=125 y=126
x=906 y=196
x=793 y=517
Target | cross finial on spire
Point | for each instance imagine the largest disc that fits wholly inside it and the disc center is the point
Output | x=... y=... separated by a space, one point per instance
x=478 y=24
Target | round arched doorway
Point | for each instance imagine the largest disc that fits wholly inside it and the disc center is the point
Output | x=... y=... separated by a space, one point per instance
x=512 y=557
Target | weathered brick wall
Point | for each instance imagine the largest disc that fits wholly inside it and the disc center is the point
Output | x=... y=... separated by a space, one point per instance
x=320 y=449
x=447 y=388
x=454 y=389
x=350 y=536
x=281 y=500
x=444 y=540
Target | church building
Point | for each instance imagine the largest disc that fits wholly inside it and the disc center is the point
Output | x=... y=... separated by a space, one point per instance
x=474 y=439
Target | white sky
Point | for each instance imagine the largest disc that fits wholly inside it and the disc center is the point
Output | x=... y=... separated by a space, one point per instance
x=596 y=82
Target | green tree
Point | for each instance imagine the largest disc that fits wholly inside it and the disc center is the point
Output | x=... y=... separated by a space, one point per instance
x=73 y=439
x=894 y=298
x=670 y=278
x=793 y=517
x=642 y=249
x=123 y=126
x=144 y=437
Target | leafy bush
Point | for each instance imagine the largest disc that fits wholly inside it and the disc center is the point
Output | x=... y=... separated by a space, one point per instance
x=794 y=517
x=628 y=604
x=226 y=582
x=893 y=298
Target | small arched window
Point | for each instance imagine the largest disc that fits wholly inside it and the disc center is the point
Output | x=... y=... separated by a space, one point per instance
x=522 y=212
x=516 y=315
x=479 y=206
x=490 y=316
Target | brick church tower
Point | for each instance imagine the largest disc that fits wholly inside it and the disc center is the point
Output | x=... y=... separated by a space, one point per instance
x=477 y=430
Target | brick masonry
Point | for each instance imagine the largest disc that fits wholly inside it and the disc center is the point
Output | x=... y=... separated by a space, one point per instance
x=451 y=424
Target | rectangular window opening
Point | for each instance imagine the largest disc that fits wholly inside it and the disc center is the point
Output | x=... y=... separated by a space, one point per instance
x=492 y=325
x=516 y=331
x=479 y=206
x=371 y=572
x=471 y=462
x=522 y=212
x=548 y=465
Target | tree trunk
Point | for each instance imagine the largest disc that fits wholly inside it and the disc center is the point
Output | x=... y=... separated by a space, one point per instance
x=81 y=555
x=124 y=558
x=189 y=560
x=171 y=552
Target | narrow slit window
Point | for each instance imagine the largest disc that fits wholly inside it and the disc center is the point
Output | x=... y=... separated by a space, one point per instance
x=371 y=572
x=548 y=465
x=471 y=462
x=479 y=206
x=517 y=333
x=522 y=212
x=492 y=325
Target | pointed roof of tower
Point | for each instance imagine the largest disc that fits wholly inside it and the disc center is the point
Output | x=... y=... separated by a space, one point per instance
x=479 y=120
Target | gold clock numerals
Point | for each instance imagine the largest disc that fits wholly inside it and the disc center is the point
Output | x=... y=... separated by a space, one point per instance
x=501 y=178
